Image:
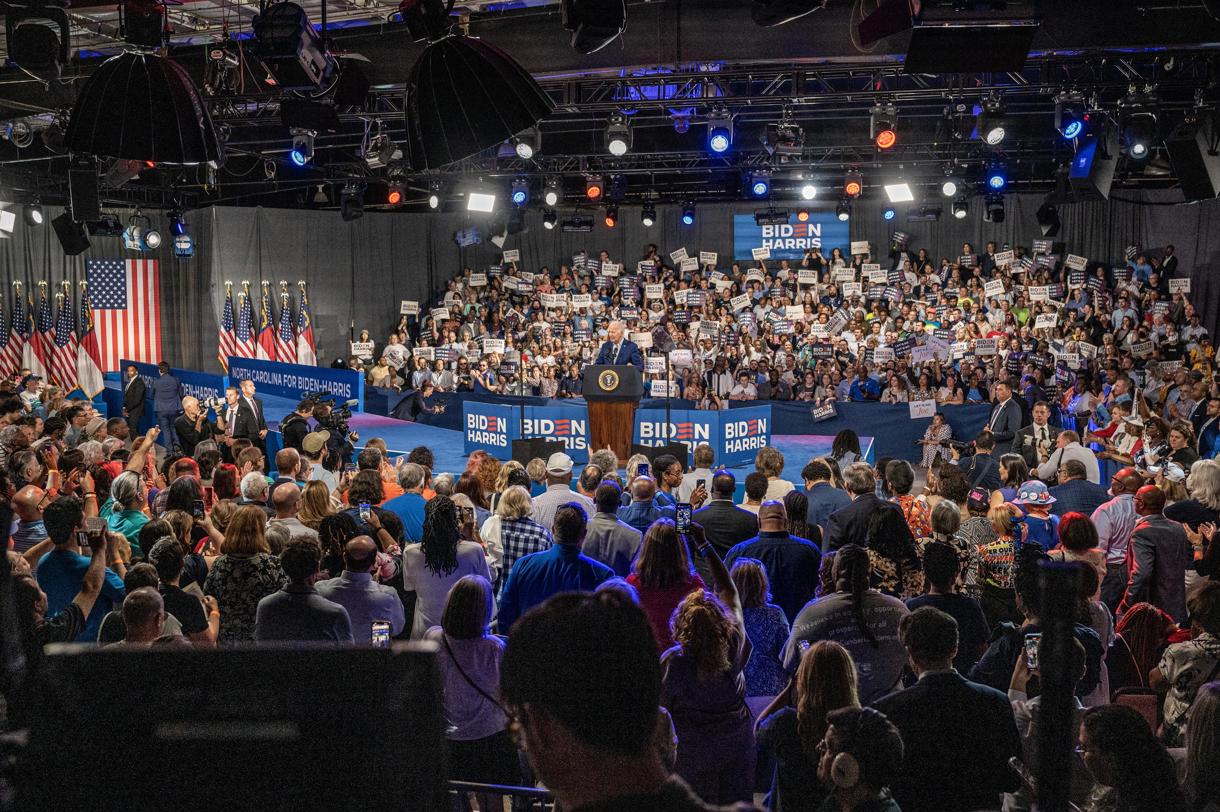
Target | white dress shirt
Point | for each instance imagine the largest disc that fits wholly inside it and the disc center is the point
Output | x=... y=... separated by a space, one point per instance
x=1071 y=451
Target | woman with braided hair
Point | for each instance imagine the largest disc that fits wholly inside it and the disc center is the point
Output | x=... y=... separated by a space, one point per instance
x=861 y=619
x=431 y=567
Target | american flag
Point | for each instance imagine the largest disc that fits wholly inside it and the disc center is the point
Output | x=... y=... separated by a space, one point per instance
x=63 y=355
x=265 y=346
x=227 y=341
x=306 y=349
x=35 y=356
x=14 y=348
x=126 y=296
x=285 y=341
x=8 y=364
x=89 y=354
x=245 y=328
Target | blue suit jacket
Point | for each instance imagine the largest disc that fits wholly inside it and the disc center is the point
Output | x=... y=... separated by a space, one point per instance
x=628 y=353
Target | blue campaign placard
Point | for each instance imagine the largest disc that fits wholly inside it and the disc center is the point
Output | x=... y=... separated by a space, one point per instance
x=742 y=433
x=290 y=380
x=202 y=385
x=490 y=427
x=567 y=423
x=790 y=240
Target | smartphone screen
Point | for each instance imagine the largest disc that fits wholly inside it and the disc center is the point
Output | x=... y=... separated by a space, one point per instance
x=198 y=509
x=349 y=468
x=702 y=483
x=82 y=541
x=209 y=496
x=365 y=510
x=682 y=512
x=467 y=515
x=1032 y=641
x=381 y=634
x=642 y=469
x=95 y=526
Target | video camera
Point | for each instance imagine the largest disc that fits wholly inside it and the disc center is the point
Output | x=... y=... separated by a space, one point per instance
x=336 y=419
x=961 y=447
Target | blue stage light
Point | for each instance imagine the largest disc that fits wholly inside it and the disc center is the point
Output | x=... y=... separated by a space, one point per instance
x=760 y=188
x=1073 y=128
x=997 y=179
x=719 y=140
x=298 y=157
x=519 y=197
x=688 y=214
x=889 y=213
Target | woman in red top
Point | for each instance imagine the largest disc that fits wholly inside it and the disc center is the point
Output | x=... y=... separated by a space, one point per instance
x=663 y=576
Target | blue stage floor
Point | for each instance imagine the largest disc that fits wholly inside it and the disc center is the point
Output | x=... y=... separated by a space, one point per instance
x=448 y=445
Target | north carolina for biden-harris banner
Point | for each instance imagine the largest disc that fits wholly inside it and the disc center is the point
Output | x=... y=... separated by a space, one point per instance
x=290 y=380
x=790 y=240
x=736 y=435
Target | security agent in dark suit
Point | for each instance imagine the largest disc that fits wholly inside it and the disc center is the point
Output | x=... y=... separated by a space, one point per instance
x=1005 y=420
x=952 y=761
x=983 y=469
x=1036 y=441
x=240 y=419
x=724 y=524
x=617 y=349
x=133 y=399
x=849 y=525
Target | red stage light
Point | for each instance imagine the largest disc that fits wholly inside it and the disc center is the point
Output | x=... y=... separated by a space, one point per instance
x=886 y=139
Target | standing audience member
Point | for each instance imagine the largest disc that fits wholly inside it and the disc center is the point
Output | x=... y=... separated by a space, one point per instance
x=824 y=497
x=366 y=601
x=849 y=525
x=61 y=572
x=941 y=567
x=1158 y=556
x=143 y=618
x=519 y=534
x=874 y=757
x=644 y=508
x=756 y=491
x=724 y=523
x=431 y=567
x=243 y=575
x=791 y=562
x=1075 y=493
x=767 y=629
x=199 y=619
x=663 y=576
x=705 y=457
x=297 y=613
x=1115 y=521
x=1186 y=666
x=608 y=539
x=558 y=491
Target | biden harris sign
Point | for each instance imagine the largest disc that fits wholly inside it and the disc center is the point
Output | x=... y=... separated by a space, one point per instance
x=790 y=240
x=735 y=435
x=492 y=427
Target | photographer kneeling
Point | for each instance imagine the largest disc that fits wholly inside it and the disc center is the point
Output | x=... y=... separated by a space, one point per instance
x=981 y=470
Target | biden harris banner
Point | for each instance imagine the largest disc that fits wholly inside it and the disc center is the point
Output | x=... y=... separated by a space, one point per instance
x=569 y=424
x=201 y=385
x=291 y=380
x=790 y=240
x=492 y=427
x=735 y=435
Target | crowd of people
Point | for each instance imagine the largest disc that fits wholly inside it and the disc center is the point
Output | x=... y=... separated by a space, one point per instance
x=868 y=638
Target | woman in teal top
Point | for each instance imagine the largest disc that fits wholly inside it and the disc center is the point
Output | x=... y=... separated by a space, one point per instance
x=127 y=514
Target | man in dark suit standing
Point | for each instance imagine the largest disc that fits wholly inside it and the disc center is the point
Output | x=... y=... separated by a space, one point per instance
x=240 y=419
x=724 y=524
x=953 y=760
x=618 y=350
x=1036 y=441
x=1157 y=556
x=133 y=399
x=849 y=525
x=1005 y=420
x=256 y=406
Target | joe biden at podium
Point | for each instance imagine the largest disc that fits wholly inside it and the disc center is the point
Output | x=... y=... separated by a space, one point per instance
x=618 y=350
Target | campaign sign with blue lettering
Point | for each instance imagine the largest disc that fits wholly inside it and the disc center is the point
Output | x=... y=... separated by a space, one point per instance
x=567 y=423
x=688 y=426
x=202 y=385
x=490 y=427
x=790 y=240
x=291 y=380
x=742 y=433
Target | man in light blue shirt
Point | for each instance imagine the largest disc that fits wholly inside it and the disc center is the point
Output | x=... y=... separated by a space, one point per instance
x=643 y=509
x=410 y=506
x=364 y=600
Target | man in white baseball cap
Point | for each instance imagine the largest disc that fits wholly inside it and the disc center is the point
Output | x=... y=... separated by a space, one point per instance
x=558 y=491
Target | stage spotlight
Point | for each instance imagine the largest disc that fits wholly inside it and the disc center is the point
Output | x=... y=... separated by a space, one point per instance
x=883 y=125
x=32 y=214
x=291 y=49
x=899 y=192
x=760 y=183
x=611 y=216
x=594 y=187
x=302 y=147
x=381 y=149
x=785 y=140
x=520 y=192
x=1139 y=122
x=949 y=187
x=995 y=209
x=553 y=190
x=1071 y=119
x=618 y=135
x=997 y=178
x=139 y=234
x=481 y=200
x=395 y=193
x=688 y=213
x=38 y=38
x=802 y=215
x=808 y=191
x=889 y=213
x=351 y=205
x=434 y=194
x=960 y=209
x=648 y=215
x=183 y=243
x=843 y=211
x=549 y=218
x=853 y=184
x=528 y=143
x=719 y=131
x=991 y=124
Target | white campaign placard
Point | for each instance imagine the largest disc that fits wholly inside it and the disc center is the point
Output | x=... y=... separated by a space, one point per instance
x=491 y=345
x=860 y=247
x=761 y=253
x=1072 y=359
x=513 y=255
x=806 y=276
x=1179 y=286
x=796 y=312
x=478 y=280
x=645 y=266
x=708 y=257
x=582 y=300
x=654 y=365
x=883 y=354
x=527 y=276
x=363 y=349
x=922 y=409
x=1075 y=262
x=959 y=348
x=1046 y=321
x=681 y=358
x=611 y=269
x=819 y=330
x=689 y=264
x=1040 y=293
x=679 y=255
x=755 y=275
x=552 y=300
x=654 y=291
x=427 y=353
x=845 y=275
x=510 y=282
x=741 y=302
x=1141 y=349
x=642 y=340
x=984 y=346
x=876 y=275
x=853 y=289
x=922 y=354
x=408 y=308
x=440 y=313
x=1086 y=350
x=994 y=289
x=662 y=389
x=1004 y=258
x=723 y=284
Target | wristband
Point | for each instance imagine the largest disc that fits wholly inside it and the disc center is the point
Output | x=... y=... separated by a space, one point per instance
x=90 y=493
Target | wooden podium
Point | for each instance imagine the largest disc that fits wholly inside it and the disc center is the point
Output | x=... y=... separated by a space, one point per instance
x=612 y=392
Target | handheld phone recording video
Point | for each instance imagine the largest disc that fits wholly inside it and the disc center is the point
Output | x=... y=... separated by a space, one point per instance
x=381 y=634
x=642 y=469
x=82 y=541
x=198 y=509
x=682 y=514
x=95 y=526
x=349 y=468
x=1032 y=641
x=467 y=515
x=701 y=483
x=365 y=511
